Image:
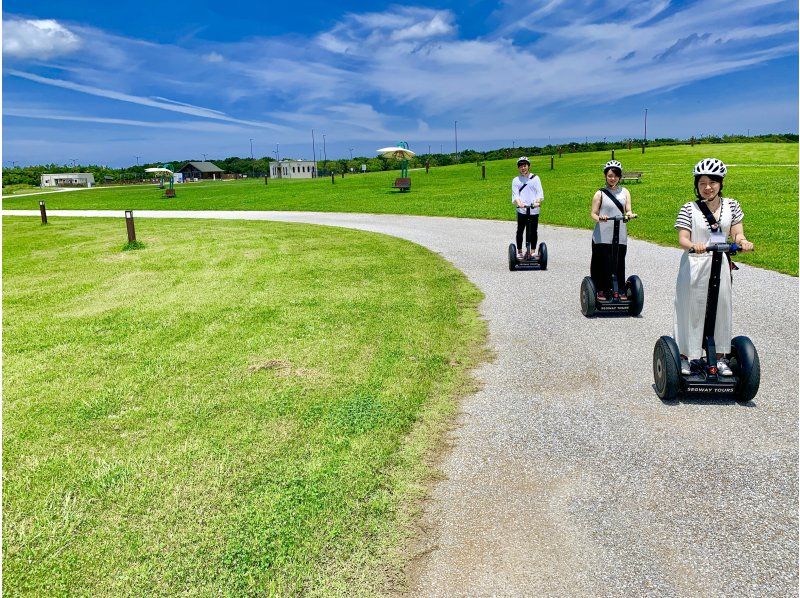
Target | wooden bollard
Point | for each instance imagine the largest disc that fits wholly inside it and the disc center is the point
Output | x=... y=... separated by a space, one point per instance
x=333 y=180
x=629 y=145
x=266 y=180
x=551 y=163
x=483 y=171
x=427 y=167
x=129 y=226
x=612 y=154
x=643 y=148
x=343 y=174
x=559 y=151
x=43 y=212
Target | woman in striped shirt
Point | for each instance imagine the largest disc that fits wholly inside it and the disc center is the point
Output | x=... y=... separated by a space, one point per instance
x=695 y=231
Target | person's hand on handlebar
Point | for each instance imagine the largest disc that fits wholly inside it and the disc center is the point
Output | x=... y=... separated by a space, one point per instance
x=631 y=215
x=745 y=245
x=536 y=204
x=602 y=217
x=699 y=247
x=519 y=203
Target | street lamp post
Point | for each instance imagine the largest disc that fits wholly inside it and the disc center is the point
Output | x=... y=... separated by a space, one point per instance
x=351 y=152
x=137 y=160
x=204 y=156
x=455 y=130
x=252 y=165
x=324 y=152
x=314 y=153
x=645 y=130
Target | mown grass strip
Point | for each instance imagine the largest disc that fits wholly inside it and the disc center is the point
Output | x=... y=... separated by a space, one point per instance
x=237 y=408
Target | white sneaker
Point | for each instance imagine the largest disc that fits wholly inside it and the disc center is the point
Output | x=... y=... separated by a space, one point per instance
x=724 y=368
x=520 y=255
x=685 y=369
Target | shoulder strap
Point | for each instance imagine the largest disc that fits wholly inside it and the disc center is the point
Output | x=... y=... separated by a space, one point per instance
x=612 y=198
x=712 y=222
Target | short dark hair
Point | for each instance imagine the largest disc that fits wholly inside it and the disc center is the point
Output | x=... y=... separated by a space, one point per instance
x=713 y=177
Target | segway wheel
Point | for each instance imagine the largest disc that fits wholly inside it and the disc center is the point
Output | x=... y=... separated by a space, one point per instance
x=745 y=364
x=512 y=257
x=666 y=369
x=542 y=256
x=635 y=294
x=588 y=297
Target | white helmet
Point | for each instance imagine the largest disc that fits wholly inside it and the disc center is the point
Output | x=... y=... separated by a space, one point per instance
x=612 y=164
x=523 y=160
x=710 y=166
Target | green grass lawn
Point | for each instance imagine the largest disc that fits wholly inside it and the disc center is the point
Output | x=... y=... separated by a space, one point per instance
x=223 y=411
x=762 y=176
x=20 y=189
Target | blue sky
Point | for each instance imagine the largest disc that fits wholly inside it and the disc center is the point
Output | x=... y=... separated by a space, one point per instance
x=96 y=83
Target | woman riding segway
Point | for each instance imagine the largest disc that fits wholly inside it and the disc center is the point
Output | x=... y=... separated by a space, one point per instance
x=710 y=219
x=527 y=196
x=610 y=201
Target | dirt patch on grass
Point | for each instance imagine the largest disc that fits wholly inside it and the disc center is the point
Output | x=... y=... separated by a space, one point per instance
x=282 y=368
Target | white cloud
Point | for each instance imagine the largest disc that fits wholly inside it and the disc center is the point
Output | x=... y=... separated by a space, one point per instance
x=213 y=57
x=38 y=39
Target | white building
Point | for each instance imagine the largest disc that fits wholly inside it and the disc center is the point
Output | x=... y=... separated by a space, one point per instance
x=292 y=169
x=68 y=179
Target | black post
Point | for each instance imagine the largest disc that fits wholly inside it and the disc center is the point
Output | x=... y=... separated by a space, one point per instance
x=427 y=166
x=612 y=154
x=43 y=212
x=559 y=151
x=483 y=171
x=333 y=180
x=551 y=163
x=129 y=225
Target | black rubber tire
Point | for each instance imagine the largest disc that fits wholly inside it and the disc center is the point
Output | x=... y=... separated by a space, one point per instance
x=666 y=371
x=588 y=297
x=542 y=256
x=635 y=291
x=512 y=257
x=747 y=367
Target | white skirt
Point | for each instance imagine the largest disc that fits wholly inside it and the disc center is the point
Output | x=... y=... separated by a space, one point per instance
x=691 y=295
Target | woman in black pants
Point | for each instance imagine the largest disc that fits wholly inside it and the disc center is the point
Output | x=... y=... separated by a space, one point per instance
x=610 y=201
x=526 y=195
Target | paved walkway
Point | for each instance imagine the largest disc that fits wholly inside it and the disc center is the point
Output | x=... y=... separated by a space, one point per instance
x=567 y=476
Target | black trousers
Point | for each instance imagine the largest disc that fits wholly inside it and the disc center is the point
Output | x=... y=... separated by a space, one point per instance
x=532 y=234
x=602 y=266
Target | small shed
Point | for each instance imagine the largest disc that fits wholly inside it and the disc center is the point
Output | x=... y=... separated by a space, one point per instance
x=68 y=179
x=292 y=169
x=201 y=170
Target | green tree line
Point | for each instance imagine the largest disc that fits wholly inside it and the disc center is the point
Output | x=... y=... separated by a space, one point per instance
x=31 y=175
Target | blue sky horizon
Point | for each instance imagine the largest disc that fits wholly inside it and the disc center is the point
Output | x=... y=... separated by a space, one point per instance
x=87 y=83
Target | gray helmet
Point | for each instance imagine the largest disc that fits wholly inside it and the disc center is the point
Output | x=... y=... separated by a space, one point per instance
x=523 y=160
x=711 y=167
x=612 y=164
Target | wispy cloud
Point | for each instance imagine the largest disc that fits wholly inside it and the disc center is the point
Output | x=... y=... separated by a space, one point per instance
x=143 y=101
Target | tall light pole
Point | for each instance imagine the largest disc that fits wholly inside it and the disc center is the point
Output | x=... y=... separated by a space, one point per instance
x=278 y=152
x=313 y=152
x=252 y=166
x=455 y=130
x=429 y=149
x=73 y=160
x=137 y=160
x=324 y=151
x=351 y=152
x=204 y=156
x=645 y=130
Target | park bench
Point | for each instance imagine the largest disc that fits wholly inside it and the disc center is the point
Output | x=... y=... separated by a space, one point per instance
x=402 y=184
x=633 y=175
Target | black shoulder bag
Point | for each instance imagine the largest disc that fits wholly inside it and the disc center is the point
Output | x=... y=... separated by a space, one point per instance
x=614 y=199
x=714 y=225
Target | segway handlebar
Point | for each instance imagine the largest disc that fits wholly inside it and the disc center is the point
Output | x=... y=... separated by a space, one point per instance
x=731 y=248
x=622 y=218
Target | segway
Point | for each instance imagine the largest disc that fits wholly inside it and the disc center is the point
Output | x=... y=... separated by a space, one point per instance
x=632 y=301
x=704 y=379
x=529 y=260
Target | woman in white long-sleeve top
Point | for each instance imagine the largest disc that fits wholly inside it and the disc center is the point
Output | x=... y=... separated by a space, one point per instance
x=710 y=219
x=526 y=192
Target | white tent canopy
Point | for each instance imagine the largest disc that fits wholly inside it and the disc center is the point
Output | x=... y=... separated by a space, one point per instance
x=160 y=170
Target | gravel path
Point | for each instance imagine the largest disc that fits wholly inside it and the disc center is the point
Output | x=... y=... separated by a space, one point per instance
x=567 y=476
